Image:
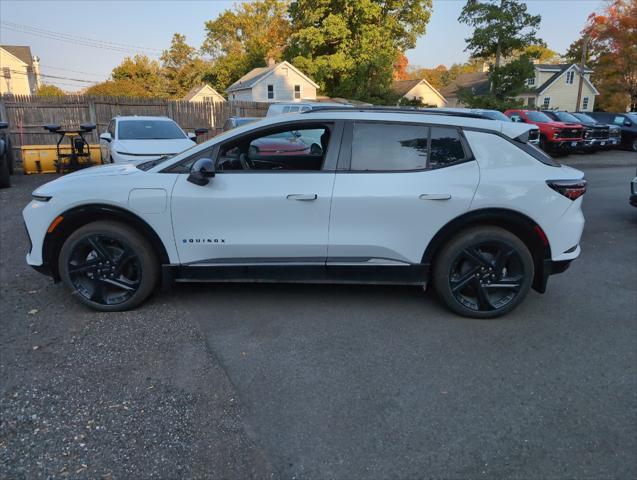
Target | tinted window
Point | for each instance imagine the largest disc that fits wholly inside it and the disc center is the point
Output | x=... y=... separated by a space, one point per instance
x=291 y=149
x=538 y=117
x=495 y=115
x=566 y=117
x=585 y=118
x=618 y=120
x=446 y=147
x=149 y=130
x=378 y=146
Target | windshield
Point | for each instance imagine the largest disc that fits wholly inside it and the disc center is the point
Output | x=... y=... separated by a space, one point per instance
x=245 y=121
x=149 y=130
x=538 y=117
x=586 y=118
x=495 y=115
x=566 y=117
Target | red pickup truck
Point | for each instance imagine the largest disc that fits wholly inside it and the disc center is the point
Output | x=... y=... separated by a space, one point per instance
x=554 y=136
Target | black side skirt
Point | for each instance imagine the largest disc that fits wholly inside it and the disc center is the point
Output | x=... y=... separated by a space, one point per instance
x=366 y=274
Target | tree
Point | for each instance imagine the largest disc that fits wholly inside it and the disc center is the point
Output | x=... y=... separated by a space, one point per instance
x=142 y=72
x=349 y=47
x=118 y=88
x=401 y=67
x=181 y=67
x=246 y=37
x=49 y=91
x=613 y=54
x=501 y=27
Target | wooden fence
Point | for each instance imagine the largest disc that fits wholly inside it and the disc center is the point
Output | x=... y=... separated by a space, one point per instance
x=26 y=115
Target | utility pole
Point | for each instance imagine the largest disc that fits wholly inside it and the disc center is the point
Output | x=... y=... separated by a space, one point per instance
x=582 y=64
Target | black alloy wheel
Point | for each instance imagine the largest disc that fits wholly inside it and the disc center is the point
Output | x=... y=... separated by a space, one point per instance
x=104 y=270
x=108 y=266
x=483 y=272
x=486 y=276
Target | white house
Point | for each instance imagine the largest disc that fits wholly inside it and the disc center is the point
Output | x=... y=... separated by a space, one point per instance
x=552 y=87
x=278 y=82
x=19 y=70
x=203 y=93
x=419 y=89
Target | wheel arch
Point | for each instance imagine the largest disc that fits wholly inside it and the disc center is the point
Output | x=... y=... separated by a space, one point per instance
x=517 y=223
x=77 y=217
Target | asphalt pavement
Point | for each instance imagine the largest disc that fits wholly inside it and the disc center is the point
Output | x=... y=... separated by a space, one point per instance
x=328 y=382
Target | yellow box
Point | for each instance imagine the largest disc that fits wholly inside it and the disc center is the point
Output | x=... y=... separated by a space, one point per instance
x=43 y=158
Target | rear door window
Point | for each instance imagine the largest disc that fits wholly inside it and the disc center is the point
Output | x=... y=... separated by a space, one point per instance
x=393 y=147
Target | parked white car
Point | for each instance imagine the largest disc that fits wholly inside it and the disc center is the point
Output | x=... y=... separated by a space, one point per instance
x=140 y=139
x=350 y=195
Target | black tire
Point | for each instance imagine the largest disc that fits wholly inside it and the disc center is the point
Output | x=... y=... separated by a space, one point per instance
x=10 y=158
x=469 y=265
x=108 y=266
x=5 y=179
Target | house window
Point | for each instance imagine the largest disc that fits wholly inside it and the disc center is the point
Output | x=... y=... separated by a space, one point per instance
x=530 y=81
x=531 y=102
x=270 y=92
x=547 y=102
x=585 y=103
x=6 y=72
x=297 y=91
x=570 y=77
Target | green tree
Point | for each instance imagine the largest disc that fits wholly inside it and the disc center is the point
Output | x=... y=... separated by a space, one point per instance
x=350 y=47
x=118 y=88
x=142 y=72
x=49 y=91
x=181 y=67
x=501 y=27
x=243 y=38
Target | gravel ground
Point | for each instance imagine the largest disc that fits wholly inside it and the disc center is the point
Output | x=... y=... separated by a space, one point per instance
x=93 y=395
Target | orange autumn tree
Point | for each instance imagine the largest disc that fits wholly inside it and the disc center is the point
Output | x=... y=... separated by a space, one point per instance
x=613 y=44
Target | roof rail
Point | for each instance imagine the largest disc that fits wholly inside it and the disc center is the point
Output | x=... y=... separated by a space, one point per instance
x=411 y=110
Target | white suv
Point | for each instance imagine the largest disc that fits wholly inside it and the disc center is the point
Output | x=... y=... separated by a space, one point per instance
x=376 y=196
x=140 y=139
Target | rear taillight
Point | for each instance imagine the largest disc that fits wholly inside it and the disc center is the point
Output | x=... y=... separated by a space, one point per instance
x=571 y=189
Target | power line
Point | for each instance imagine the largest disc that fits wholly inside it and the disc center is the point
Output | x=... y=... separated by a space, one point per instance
x=56 y=77
x=77 y=37
x=77 y=40
x=102 y=75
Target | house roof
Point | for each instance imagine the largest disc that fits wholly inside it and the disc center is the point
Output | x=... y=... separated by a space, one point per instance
x=257 y=74
x=21 y=52
x=560 y=69
x=198 y=88
x=478 y=82
x=401 y=87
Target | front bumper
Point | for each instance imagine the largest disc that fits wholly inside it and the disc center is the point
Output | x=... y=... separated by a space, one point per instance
x=567 y=145
x=595 y=142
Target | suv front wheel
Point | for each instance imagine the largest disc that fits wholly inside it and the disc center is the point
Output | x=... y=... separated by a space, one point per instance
x=108 y=266
x=483 y=272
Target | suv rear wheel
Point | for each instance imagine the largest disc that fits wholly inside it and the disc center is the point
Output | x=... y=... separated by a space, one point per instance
x=108 y=266
x=483 y=272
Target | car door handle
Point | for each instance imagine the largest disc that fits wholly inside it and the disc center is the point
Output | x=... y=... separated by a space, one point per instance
x=434 y=196
x=303 y=197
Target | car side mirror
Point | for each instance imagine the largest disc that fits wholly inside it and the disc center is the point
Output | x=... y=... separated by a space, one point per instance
x=202 y=170
x=192 y=136
x=106 y=137
x=627 y=123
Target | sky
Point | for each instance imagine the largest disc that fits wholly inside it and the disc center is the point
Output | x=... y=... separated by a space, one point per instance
x=147 y=26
